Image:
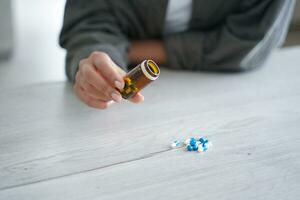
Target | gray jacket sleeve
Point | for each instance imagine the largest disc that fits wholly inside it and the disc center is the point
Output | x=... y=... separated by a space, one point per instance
x=242 y=42
x=91 y=28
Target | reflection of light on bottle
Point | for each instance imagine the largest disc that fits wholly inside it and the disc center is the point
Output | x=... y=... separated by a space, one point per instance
x=139 y=77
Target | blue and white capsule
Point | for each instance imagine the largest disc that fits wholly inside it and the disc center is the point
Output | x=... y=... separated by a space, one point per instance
x=187 y=141
x=176 y=144
x=193 y=141
x=195 y=148
x=189 y=148
x=203 y=140
x=202 y=148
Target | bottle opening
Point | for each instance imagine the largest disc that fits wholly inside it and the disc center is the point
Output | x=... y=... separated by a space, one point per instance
x=150 y=69
x=153 y=67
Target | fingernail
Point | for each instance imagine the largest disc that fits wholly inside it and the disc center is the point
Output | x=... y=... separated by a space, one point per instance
x=110 y=103
x=116 y=97
x=119 y=85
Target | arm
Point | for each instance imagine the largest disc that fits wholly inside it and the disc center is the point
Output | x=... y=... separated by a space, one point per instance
x=91 y=26
x=96 y=49
x=147 y=49
x=242 y=42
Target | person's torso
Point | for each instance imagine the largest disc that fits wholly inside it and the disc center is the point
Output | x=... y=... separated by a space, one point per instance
x=146 y=19
x=177 y=17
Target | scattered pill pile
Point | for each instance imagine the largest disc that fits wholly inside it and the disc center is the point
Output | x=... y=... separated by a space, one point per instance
x=192 y=144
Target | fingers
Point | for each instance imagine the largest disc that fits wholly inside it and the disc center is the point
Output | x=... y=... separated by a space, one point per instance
x=108 y=69
x=90 y=101
x=138 y=98
x=97 y=79
x=100 y=87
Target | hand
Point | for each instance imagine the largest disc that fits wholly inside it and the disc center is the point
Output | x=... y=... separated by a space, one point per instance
x=97 y=79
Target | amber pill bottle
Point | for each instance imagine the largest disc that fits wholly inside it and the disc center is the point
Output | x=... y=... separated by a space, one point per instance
x=139 y=77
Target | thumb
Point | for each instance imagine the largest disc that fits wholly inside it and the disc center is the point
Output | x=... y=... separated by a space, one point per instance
x=137 y=98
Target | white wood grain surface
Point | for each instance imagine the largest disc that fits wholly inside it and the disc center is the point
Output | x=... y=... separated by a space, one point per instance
x=54 y=147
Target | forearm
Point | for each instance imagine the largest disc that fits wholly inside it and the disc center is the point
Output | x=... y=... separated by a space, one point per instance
x=147 y=49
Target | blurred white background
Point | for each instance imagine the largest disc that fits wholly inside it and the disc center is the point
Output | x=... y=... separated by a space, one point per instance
x=36 y=55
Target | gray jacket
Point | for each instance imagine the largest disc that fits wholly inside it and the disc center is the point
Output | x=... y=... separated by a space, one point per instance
x=231 y=35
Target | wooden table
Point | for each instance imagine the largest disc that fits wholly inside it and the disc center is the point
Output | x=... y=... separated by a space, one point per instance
x=54 y=147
